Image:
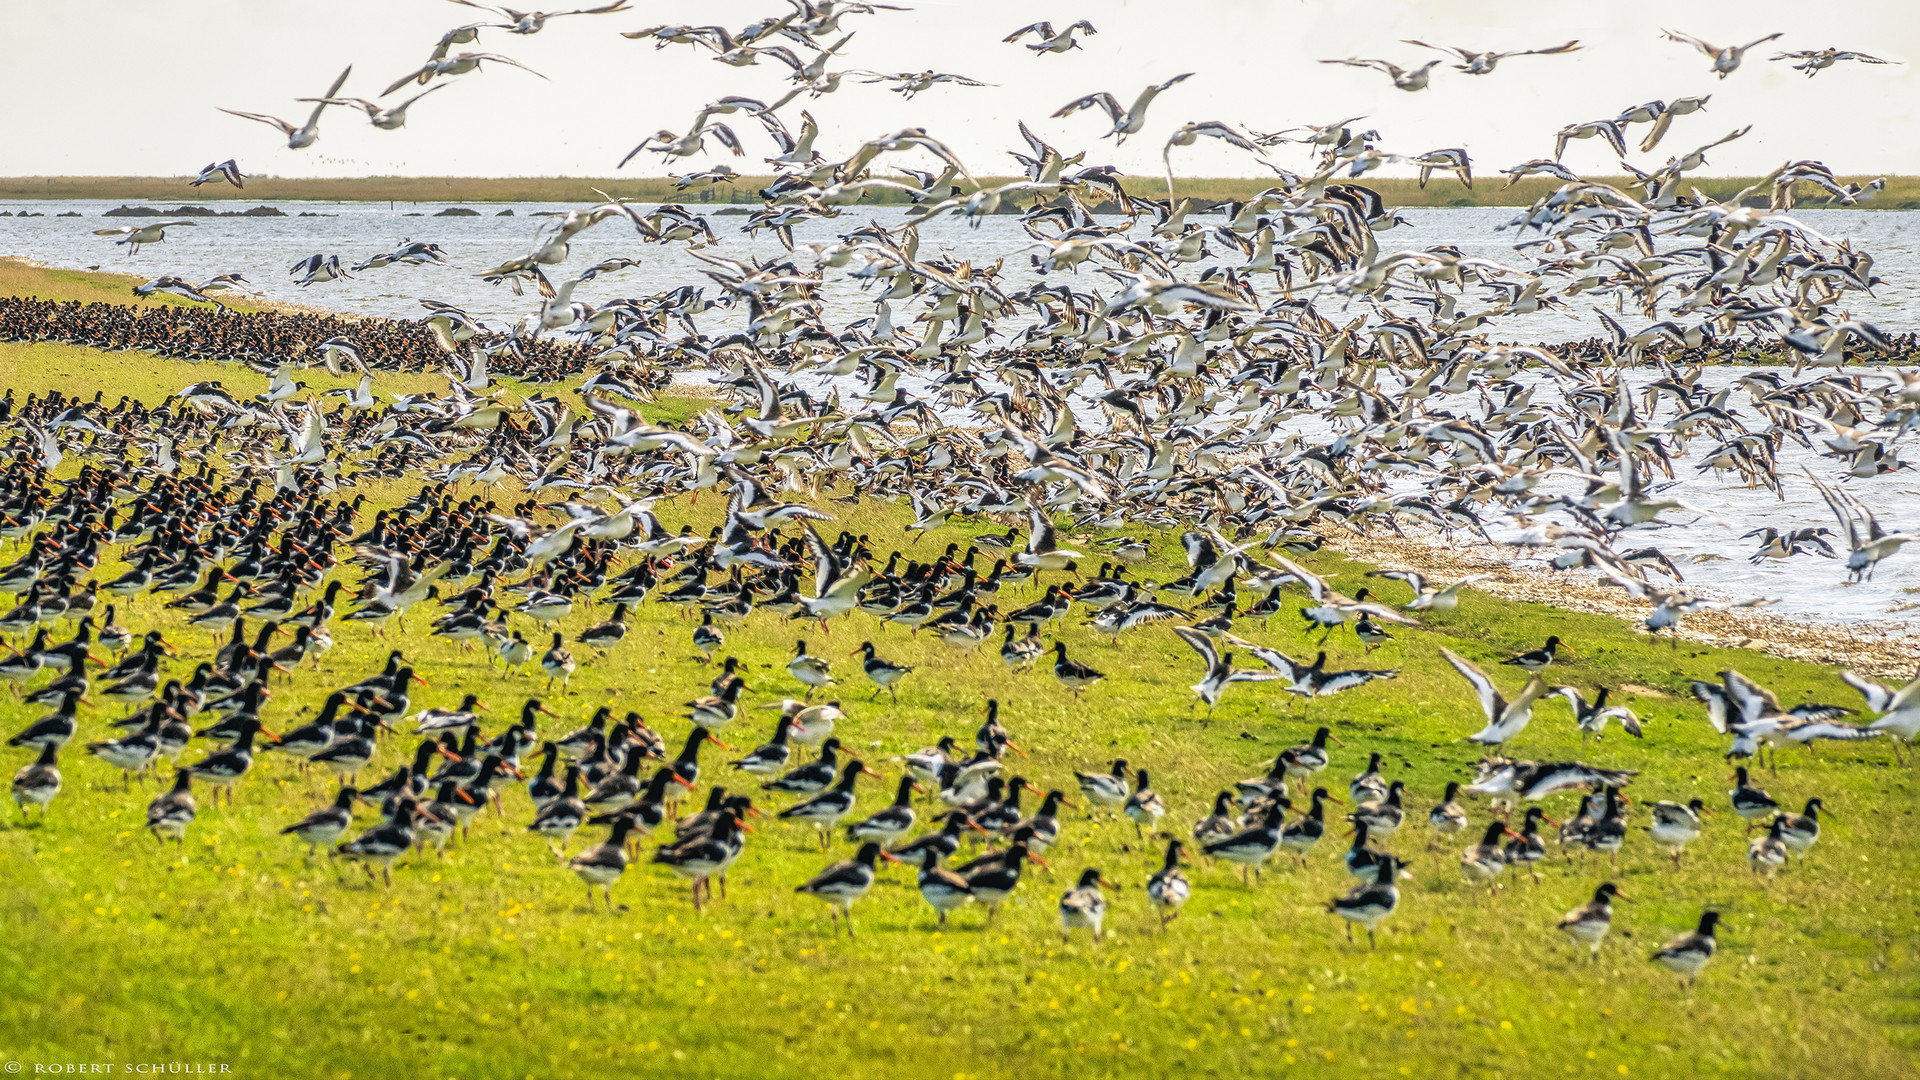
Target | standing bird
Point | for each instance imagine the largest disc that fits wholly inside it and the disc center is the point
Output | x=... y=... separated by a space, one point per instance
x=171 y=813
x=603 y=864
x=557 y=662
x=1802 y=830
x=1073 y=674
x=1168 y=888
x=38 y=783
x=326 y=825
x=940 y=887
x=1487 y=860
x=1108 y=789
x=882 y=674
x=846 y=881
x=1084 y=905
x=1144 y=806
x=1588 y=924
x=1370 y=903
x=1449 y=816
x=812 y=671
x=1252 y=847
x=1750 y=802
x=1689 y=952
x=1769 y=851
x=385 y=842
x=1675 y=826
x=1538 y=658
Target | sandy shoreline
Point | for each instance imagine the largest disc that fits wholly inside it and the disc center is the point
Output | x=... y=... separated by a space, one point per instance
x=1880 y=649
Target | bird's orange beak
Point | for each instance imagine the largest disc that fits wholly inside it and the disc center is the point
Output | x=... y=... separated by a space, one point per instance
x=421 y=679
x=715 y=741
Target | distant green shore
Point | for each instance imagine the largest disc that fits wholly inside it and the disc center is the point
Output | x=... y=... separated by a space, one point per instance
x=1901 y=193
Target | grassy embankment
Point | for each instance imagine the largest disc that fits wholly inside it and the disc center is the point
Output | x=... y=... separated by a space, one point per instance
x=1902 y=192
x=489 y=963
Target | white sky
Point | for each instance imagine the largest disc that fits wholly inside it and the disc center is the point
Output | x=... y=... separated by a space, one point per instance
x=119 y=87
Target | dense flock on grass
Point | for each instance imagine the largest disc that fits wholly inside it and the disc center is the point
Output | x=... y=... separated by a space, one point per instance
x=1237 y=391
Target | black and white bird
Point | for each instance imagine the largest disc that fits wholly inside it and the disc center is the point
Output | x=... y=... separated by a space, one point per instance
x=1169 y=888
x=1084 y=906
x=1591 y=718
x=1475 y=62
x=1126 y=121
x=846 y=881
x=1372 y=902
x=1505 y=719
x=305 y=135
x=228 y=170
x=1588 y=924
x=1688 y=953
x=1047 y=40
x=1220 y=673
x=1814 y=61
x=1676 y=825
x=1725 y=60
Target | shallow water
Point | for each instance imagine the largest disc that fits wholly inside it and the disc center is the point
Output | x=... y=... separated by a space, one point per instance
x=262 y=249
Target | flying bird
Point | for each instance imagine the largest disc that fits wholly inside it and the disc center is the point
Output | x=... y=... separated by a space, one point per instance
x=1814 y=61
x=1483 y=63
x=228 y=170
x=1048 y=41
x=1127 y=121
x=1725 y=61
x=299 y=138
x=1408 y=79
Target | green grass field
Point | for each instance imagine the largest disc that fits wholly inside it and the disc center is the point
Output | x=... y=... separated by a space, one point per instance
x=490 y=963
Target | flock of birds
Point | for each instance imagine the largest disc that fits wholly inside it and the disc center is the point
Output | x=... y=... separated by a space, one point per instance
x=1153 y=401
